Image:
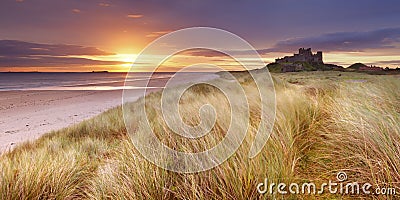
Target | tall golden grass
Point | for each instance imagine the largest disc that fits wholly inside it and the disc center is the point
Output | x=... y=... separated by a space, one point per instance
x=324 y=123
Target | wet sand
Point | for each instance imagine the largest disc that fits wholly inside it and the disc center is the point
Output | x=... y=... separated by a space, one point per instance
x=27 y=115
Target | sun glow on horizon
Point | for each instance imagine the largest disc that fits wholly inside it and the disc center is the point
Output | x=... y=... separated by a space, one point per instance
x=125 y=62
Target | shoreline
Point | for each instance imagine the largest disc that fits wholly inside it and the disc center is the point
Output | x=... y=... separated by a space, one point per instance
x=26 y=115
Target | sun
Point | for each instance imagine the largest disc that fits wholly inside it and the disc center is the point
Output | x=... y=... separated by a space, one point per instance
x=127 y=60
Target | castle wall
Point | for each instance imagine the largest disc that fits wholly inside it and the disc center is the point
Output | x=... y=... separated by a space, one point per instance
x=304 y=55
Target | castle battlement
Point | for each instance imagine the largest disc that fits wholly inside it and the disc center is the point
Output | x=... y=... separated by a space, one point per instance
x=304 y=55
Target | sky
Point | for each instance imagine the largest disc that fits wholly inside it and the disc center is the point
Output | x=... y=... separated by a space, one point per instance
x=97 y=35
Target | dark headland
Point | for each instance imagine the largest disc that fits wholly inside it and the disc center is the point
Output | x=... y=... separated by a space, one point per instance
x=305 y=60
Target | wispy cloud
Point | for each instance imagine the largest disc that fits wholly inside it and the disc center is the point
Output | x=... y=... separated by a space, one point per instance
x=386 y=62
x=205 y=53
x=22 y=54
x=342 y=41
x=157 y=33
x=21 y=48
x=345 y=42
x=104 y=4
x=48 y=61
x=76 y=11
x=135 y=16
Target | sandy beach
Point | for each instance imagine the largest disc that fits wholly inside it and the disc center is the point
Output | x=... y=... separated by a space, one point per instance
x=26 y=115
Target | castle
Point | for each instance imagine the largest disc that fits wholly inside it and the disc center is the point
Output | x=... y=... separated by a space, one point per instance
x=304 y=55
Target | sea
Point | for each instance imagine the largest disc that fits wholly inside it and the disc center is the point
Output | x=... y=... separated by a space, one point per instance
x=14 y=81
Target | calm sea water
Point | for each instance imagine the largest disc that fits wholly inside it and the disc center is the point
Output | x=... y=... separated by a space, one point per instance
x=92 y=81
x=75 y=81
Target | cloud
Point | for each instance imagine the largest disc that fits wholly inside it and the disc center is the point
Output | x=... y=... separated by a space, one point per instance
x=21 y=48
x=134 y=16
x=341 y=41
x=104 y=4
x=157 y=33
x=386 y=62
x=46 y=61
x=204 y=53
x=21 y=54
x=380 y=39
x=76 y=10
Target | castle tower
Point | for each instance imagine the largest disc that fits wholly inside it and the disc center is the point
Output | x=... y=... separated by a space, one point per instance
x=305 y=52
x=319 y=56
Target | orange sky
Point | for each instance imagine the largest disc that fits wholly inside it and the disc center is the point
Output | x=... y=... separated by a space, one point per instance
x=59 y=35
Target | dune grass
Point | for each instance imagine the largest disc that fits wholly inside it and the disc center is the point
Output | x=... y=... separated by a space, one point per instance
x=325 y=123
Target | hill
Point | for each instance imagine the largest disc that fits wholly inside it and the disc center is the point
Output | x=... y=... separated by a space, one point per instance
x=301 y=66
x=357 y=66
